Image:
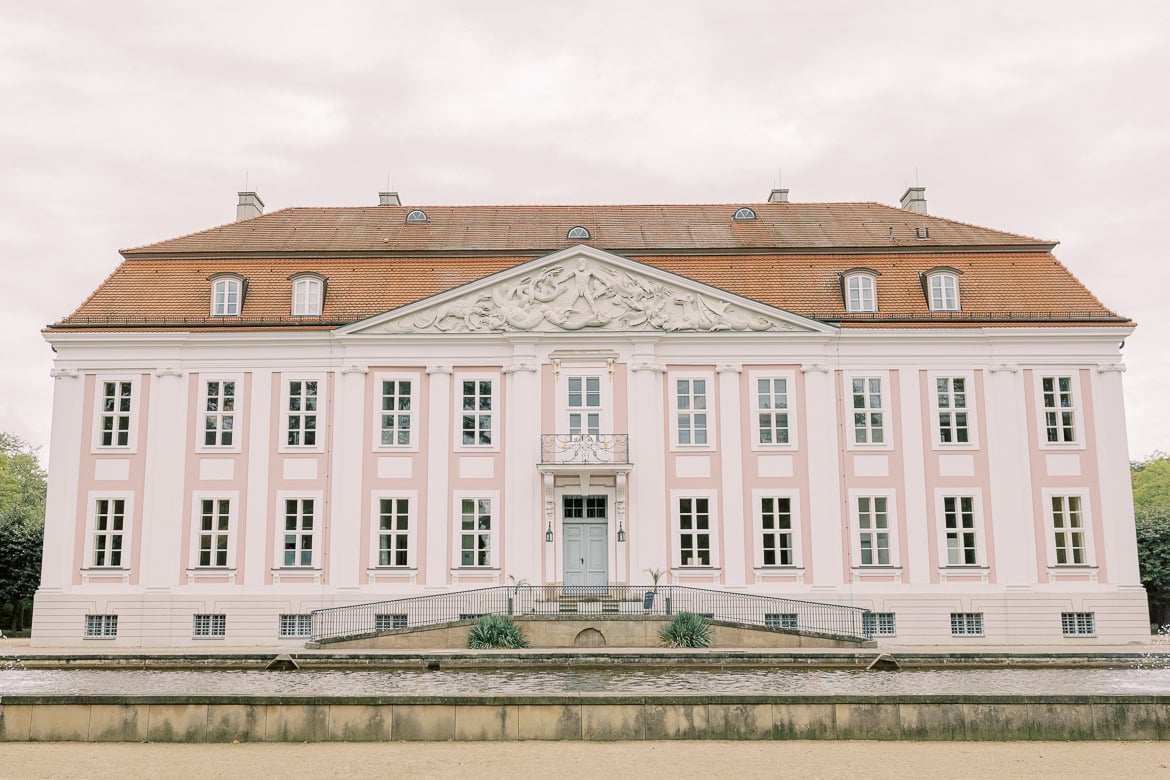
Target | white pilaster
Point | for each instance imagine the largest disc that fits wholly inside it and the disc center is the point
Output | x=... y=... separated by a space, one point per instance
x=824 y=475
x=734 y=522
x=162 y=492
x=649 y=518
x=1113 y=467
x=522 y=515
x=61 y=521
x=259 y=446
x=916 y=565
x=438 y=463
x=347 y=505
x=1011 y=513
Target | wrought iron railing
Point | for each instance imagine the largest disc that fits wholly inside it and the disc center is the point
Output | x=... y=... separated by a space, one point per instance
x=576 y=448
x=806 y=617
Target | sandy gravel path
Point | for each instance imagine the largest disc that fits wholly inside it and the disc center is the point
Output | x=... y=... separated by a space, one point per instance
x=618 y=761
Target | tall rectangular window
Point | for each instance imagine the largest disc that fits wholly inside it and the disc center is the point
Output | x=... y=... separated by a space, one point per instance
x=209 y=626
x=694 y=526
x=109 y=526
x=873 y=530
x=299 y=531
x=868 y=424
x=214 y=531
x=776 y=527
x=951 y=395
x=1068 y=531
x=394 y=532
x=396 y=412
x=476 y=530
x=1059 y=409
x=117 y=406
x=584 y=404
x=691 y=403
x=959 y=519
x=772 y=410
x=219 y=413
x=477 y=412
x=302 y=413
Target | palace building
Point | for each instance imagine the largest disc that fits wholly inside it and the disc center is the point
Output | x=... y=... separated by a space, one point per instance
x=848 y=403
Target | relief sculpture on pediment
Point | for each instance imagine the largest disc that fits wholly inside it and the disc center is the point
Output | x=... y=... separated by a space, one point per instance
x=586 y=294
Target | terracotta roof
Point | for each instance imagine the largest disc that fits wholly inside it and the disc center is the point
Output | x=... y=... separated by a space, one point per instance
x=995 y=287
x=622 y=229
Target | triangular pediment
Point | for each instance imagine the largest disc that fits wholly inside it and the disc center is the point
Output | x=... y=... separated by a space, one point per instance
x=583 y=288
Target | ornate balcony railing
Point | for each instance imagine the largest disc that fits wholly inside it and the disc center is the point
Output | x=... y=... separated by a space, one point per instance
x=584 y=448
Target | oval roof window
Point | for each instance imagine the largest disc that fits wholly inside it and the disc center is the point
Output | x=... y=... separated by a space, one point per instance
x=743 y=213
x=578 y=232
x=417 y=215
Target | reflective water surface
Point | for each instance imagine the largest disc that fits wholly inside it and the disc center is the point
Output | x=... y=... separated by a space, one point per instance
x=559 y=681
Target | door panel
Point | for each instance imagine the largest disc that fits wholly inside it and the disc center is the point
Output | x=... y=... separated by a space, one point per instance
x=574 y=553
x=597 y=554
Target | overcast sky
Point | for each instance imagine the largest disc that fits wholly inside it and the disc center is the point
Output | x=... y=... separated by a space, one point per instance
x=124 y=123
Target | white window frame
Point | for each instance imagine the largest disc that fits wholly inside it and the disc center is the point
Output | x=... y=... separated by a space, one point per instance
x=135 y=382
x=793 y=497
x=881 y=623
x=1047 y=494
x=968 y=377
x=215 y=625
x=237 y=414
x=1078 y=624
x=496 y=411
x=605 y=393
x=458 y=497
x=1074 y=375
x=197 y=499
x=223 y=308
x=91 y=529
x=710 y=409
x=294 y=625
x=887 y=427
x=714 y=530
x=415 y=380
x=789 y=377
x=968 y=621
x=286 y=380
x=860 y=277
x=936 y=295
x=101 y=627
x=976 y=496
x=891 y=529
x=318 y=498
x=303 y=288
x=376 y=498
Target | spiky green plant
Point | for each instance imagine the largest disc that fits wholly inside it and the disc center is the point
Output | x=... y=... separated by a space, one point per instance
x=686 y=630
x=495 y=631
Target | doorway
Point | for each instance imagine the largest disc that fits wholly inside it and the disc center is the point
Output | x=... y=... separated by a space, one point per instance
x=585 y=524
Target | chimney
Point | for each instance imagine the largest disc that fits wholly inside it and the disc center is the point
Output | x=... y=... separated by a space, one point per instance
x=249 y=206
x=388 y=199
x=914 y=199
x=778 y=196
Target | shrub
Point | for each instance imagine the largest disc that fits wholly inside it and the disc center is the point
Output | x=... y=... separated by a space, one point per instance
x=687 y=630
x=495 y=631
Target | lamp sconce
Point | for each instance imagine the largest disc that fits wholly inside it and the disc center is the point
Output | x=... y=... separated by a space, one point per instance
x=621 y=534
x=548 y=535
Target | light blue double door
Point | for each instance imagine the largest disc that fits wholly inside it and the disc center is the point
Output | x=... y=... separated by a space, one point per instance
x=585 y=524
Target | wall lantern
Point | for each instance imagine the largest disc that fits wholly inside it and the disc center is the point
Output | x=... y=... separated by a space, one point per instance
x=548 y=537
x=621 y=532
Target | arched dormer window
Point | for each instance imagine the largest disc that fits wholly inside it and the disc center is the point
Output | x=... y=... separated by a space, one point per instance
x=578 y=233
x=227 y=295
x=417 y=215
x=742 y=213
x=859 y=289
x=942 y=289
x=308 y=295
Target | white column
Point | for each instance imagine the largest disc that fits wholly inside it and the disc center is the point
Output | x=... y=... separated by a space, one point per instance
x=162 y=493
x=1113 y=467
x=61 y=521
x=733 y=522
x=1011 y=513
x=347 y=504
x=438 y=518
x=648 y=520
x=917 y=506
x=824 y=476
x=257 y=519
x=522 y=515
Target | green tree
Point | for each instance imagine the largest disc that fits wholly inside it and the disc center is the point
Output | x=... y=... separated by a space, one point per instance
x=22 y=523
x=1151 y=505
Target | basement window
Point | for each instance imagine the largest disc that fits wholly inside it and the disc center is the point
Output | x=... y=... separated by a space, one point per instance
x=417 y=215
x=743 y=213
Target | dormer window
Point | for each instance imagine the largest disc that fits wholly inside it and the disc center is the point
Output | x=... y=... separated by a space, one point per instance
x=743 y=213
x=860 y=290
x=227 y=296
x=942 y=291
x=308 y=294
x=417 y=215
x=578 y=233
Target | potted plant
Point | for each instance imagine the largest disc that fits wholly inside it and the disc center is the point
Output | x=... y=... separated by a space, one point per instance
x=648 y=598
x=516 y=585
